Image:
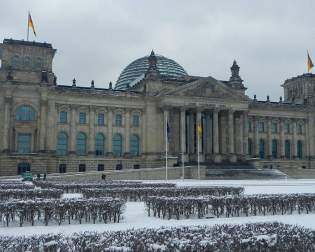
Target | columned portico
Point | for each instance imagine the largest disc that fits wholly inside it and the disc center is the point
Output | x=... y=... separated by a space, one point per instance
x=224 y=126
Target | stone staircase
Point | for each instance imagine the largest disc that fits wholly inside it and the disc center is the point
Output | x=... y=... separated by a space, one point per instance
x=241 y=171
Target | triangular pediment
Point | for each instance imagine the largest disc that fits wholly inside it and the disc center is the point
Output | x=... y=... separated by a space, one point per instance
x=207 y=87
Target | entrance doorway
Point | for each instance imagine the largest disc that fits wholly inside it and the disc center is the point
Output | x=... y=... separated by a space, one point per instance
x=23 y=167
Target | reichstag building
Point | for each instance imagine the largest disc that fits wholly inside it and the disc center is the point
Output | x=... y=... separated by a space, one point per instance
x=54 y=128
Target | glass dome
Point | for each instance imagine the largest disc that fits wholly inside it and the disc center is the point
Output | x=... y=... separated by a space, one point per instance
x=135 y=71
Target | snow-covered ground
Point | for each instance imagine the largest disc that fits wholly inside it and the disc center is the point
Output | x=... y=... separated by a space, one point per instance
x=135 y=215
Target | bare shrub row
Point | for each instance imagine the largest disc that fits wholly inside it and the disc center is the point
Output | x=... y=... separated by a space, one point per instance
x=256 y=237
x=78 y=187
x=45 y=211
x=230 y=206
x=140 y=194
x=6 y=194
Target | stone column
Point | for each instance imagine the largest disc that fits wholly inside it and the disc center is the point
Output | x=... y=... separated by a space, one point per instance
x=281 y=138
x=73 y=130
x=43 y=125
x=52 y=125
x=245 y=133
x=6 y=123
x=294 y=141
x=191 y=139
x=127 y=130
x=241 y=135
x=183 y=131
x=231 y=131
x=110 y=131
x=91 y=142
x=256 y=138
x=269 y=140
x=215 y=131
x=143 y=132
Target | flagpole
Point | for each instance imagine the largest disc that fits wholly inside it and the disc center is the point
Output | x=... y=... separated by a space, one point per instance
x=166 y=147
x=198 y=157
x=28 y=28
x=183 y=166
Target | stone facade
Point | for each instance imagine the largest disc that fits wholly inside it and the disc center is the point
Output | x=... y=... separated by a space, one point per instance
x=47 y=127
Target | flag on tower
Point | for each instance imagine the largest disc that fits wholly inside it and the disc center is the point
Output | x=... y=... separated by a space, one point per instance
x=168 y=132
x=309 y=62
x=31 y=24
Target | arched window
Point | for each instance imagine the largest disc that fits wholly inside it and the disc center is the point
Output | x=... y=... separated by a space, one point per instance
x=299 y=149
x=25 y=113
x=99 y=144
x=262 y=148
x=287 y=149
x=117 y=145
x=300 y=128
x=135 y=145
x=250 y=147
x=62 y=144
x=274 y=148
x=81 y=144
x=287 y=127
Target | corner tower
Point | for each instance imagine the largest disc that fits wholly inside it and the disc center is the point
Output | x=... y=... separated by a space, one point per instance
x=27 y=62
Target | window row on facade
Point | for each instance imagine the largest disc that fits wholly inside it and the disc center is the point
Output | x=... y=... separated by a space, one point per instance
x=100 y=143
x=275 y=153
x=101 y=119
x=288 y=127
x=27 y=113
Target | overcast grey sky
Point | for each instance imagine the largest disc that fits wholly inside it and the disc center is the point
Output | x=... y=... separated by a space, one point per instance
x=96 y=39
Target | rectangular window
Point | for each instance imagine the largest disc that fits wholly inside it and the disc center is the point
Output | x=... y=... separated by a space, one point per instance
x=287 y=128
x=118 y=120
x=82 y=118
x=82 y=168
x=24 y=143
x=100 y=167
x=274 y=127
x=250 y=126
x=135 y=120
x=63 y=117
x=261 y=127
x=100 y=119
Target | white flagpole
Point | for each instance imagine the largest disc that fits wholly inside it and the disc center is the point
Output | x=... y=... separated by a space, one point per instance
x=183 y=166
x=166 y=148
x=198 y=157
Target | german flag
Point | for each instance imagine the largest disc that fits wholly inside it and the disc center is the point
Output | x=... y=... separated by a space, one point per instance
x=309 y=62
x=31 y=24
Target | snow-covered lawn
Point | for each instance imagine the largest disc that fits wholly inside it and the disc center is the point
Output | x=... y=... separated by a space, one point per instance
x=135 y=215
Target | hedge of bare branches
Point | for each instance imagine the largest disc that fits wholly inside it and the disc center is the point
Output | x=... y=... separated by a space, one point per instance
x=230 y=206
x=6 y=194
x=45 y=211
x=140 y=194
x=256 y=237
x=78 y=187
x=4 y=186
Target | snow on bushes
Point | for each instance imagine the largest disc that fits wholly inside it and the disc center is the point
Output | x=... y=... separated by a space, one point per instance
x=256 y=237
x=6 y=194
x=140 y=194
x=4 y=186
x=78 y=187
x=230 y=206
x=61 y=210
